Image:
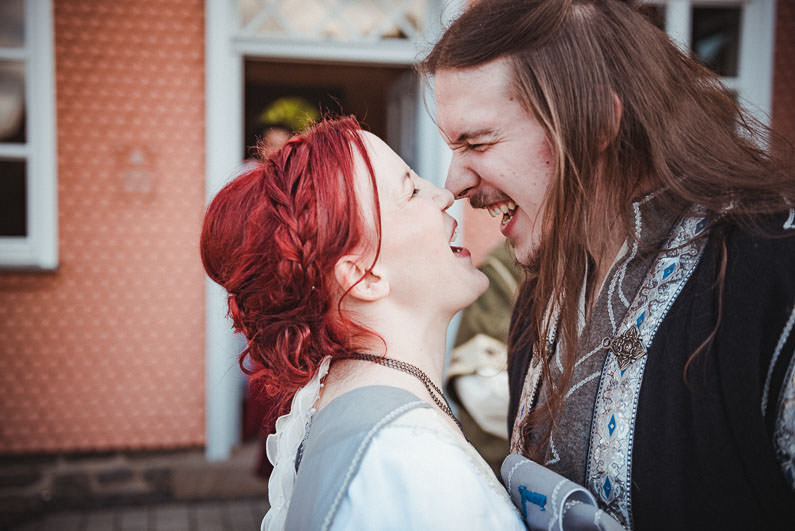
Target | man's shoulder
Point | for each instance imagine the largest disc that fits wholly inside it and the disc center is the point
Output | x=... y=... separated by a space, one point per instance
x=764 y=245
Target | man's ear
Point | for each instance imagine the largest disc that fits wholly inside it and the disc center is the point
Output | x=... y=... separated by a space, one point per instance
x=618 y=108
x=363 y=285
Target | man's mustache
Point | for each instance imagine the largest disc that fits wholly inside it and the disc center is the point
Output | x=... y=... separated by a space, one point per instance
x=484 y=198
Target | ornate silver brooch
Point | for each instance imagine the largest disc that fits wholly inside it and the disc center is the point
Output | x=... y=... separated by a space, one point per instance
x=627 y=347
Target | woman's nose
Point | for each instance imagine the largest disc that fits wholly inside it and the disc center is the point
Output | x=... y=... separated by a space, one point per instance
x=444 y=197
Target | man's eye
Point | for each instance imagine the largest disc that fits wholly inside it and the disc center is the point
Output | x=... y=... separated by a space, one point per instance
x=478 y=147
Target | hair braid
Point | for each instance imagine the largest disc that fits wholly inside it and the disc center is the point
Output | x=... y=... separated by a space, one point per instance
x=271 y=238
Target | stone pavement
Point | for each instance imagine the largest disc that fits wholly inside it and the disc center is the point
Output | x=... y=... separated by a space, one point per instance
x=237 y=515
x=146 y=491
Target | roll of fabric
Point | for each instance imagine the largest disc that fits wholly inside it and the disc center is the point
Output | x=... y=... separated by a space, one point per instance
x=548 y=500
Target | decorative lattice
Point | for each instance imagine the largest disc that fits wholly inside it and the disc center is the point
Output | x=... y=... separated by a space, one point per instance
x=343 y=20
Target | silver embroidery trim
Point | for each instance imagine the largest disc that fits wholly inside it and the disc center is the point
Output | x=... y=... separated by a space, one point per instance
x=790 y=223
x=784 y=433
x=609 y=469
x=779 y=346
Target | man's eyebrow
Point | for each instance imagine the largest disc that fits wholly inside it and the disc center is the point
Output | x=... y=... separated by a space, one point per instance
x=475 y=133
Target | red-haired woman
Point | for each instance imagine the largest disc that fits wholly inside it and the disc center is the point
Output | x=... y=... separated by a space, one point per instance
x=338 y=262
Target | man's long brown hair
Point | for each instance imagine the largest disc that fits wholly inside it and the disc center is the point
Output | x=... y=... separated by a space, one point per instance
x=625 y=112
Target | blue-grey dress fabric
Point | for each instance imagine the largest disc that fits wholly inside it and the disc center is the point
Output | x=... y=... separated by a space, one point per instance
x=333 y=450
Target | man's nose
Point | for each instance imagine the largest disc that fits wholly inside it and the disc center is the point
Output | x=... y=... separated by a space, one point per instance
x=461 y=180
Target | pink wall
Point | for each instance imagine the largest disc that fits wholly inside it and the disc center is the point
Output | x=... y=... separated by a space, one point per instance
x=108 y=352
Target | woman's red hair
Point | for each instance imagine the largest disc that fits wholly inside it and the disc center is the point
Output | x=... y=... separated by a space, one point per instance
x=271 y=238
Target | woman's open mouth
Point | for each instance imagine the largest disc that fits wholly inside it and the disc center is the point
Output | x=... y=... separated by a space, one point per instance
x=462 y=252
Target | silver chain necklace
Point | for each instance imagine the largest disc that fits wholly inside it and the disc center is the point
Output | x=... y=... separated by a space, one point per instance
x=433 y=390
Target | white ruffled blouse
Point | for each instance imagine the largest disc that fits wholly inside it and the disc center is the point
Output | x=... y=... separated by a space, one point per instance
x=417 y=473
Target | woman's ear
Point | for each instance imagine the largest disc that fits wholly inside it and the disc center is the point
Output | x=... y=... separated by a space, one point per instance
x=363 y=285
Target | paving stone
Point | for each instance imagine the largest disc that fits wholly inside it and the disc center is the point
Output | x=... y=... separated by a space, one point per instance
x=172 y=517
x=240 y=516
x=103 y=520
x=118 y=475
x=34 y=525
x=134 y=519
x=19 y=479
x=159 y=479
x=71 y=521
x=71 y=488
x=208 y=516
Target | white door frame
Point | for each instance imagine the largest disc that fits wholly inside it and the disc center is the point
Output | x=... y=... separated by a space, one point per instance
x=224 y=81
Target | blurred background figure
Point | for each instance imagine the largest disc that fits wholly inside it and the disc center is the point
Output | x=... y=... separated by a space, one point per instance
x=477 y=377
x=272 y=138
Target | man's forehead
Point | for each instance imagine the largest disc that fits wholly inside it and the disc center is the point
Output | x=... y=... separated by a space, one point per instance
x=470 y=101
x=476 y=120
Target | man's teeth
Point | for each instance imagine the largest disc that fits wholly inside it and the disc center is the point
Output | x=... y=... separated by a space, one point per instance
x=501 y=209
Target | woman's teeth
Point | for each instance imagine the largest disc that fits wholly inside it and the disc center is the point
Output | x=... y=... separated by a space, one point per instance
x=505 y=209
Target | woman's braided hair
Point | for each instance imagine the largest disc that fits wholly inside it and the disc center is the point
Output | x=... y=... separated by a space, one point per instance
x=271 y=238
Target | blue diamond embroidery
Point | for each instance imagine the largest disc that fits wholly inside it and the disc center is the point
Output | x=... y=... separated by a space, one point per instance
x=611 y=426
x=607 y=488
x=701 y=225
x=641 y=319
x=668 y=270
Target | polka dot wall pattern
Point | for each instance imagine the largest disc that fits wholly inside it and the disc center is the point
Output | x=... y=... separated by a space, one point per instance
x=108 y=352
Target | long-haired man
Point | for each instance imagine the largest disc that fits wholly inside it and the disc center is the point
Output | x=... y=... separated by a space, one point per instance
x=651 y=346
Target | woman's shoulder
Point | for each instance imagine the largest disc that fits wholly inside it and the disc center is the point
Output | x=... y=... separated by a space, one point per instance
x=338 y=438
x=379 y=455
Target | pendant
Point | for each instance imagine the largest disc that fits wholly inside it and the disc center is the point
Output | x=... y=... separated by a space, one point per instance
x=627 y=347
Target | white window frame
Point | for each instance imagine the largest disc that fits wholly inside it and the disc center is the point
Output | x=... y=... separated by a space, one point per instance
x=39 y=248
x=754 y=81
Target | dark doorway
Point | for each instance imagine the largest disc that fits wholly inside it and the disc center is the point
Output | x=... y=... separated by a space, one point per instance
x=337 y=89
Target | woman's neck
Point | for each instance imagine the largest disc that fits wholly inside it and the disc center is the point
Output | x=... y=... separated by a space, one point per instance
x=411 y=338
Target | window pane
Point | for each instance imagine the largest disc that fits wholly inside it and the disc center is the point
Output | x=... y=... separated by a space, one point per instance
x=12 y=101
x=12 y=23
x=716 y=38
x=13 y=198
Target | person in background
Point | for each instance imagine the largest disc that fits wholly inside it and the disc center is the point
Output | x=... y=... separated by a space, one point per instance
x=651 y=345
x=477 y=375
x=272 y=138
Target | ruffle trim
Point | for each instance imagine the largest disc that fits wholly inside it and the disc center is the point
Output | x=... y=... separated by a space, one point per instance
x=281 y=448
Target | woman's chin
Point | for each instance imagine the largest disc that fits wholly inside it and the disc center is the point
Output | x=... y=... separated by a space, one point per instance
x=472 y=289
x=482 y=283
